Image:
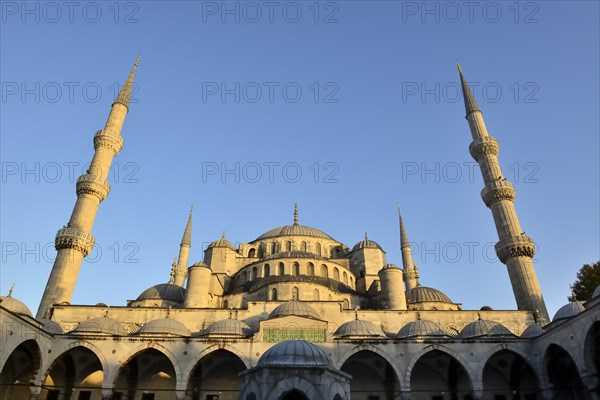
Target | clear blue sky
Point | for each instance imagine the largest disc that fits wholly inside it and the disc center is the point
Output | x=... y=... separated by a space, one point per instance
x=362 y=92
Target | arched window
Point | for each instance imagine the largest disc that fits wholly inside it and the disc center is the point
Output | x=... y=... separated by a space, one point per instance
x=273 y=294
x=281 y=268
x=318 y=249
x=296 y=269
x=252 y=253
x=225 y=304
x=254 y=273
x=267 y=270
x=310 y=269
x=261 y=250
x=295 y=294
x=351 y=282
x=336 y=274
x=288 y=246
x=346 y=304
x=315 y=294
x=273 y=247
x=345 y=277
x=303 y=246
x=330 y=297
x=324 y=271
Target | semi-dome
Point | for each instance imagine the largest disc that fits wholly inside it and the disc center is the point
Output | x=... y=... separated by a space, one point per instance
x=164 y=326
x=223 y=242
x=229 y=327
x=366 y=243
x=484 y=327
x=295 y=353
x=294 y=230
x=294 y=307
x=359 y=328
x=533 y=330
x=421 y=327
x=51 y=326
x=420 y=294
x=102 y=326
x=568 y=310
x=164 y=291
x=14 y=305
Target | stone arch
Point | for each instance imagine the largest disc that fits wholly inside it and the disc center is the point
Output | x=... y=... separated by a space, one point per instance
x=303 y=246
x=310 y=269
x=253 y=273
x=324 y=271
x=316 y=295
x=210 y=349
x=252 y=253
x=281 y=269
x=318 y=249
x=274 y=294
x=293 y=394
x=296 y=268
x=336 y=273
x=591 y=349
x=507 y=373
x=563 y=374
x=371 y=372
x=217 y=371
x=267 y=270
x=293 y=383
x=20 y=368
x=532 y=362
x=345 y=277
x=437 y=369
x=66 y=346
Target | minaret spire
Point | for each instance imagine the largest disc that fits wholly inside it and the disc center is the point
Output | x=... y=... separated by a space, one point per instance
x=75 y=240
x=515 y=249
x=181 y=269
x=295 y=213
x=411 y=275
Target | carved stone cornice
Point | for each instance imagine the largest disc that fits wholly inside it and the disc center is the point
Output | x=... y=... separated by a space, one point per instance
x=487 y=145
x=73 y=238
x=109 y=139
x=89 y=184
x=496 y=191
x=516 y=246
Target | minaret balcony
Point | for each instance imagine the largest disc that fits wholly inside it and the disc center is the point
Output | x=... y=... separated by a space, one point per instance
x=89 y=184
x=74 y=238
x=516 y=246
x=109 y=139
x=497 y=190
x=488 y=145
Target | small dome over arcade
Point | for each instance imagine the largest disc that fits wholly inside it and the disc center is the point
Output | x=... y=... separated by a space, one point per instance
x=421 y=327
x=596 y=292
x=294 y=307
x=533 y=330
x=484 y=327
x=14 y=305
x=569 y=310
x=51 y=327
x=164 y=291
x=100 y=326
x=295 y=353
x=229 y=328
x=359 y=328
x=223 y=242
x=164 y=326
x=366 y=244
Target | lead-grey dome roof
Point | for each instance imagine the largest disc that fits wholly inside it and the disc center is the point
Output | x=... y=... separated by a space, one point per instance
x=359 y=328
x=294 y=230
x=294 y=307
x=164 y=326
x=295 y=353
x=484 y=327
x=568 y=310
x=229 y=327
x=420 y=294
x=223 y=242
x=421 y=327
x=164 y=291
x=101 y=325
x=51 y=326
x=14 y=305
x=596 y=292
x=366 y=243
x=533 y=330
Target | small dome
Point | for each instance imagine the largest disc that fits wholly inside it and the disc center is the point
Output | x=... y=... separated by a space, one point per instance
x=164 y=326
x=14 y=305
x=569 y=310
x=229 y=327
x=366 y=244
x=222 y=243
x=294 y=230
x=295 y=353
x=164 y=291
x=359 y=328
x=51 y=326
x=390 y=266
x=420 y=294
x=421 y=327
x=486 y=308
x=200 y=264
x=101 y=325
x=294 y=307
x=533 y=330
x=596 y=292
x=484 y=327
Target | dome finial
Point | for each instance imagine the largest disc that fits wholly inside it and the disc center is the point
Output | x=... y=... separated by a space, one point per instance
x=173 y=271
x=356 y=313
x=230 y=313
x=366 y=236
x=295 y=213
x=168 y=312
x=418 y=316
x=573 y=296
x=223 y=235
x=458 y=66
x=11 y=290
x=106 y=312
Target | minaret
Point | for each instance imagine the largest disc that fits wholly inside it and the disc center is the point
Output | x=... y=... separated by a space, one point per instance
x=410 y=273
x=515 y=249
x=184 y=251
x=74 y=241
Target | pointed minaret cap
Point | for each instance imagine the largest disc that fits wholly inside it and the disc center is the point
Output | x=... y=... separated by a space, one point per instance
x=186 y=240
x=124 y=95
x=403 y=235
x=295 y=213
x=470 y=103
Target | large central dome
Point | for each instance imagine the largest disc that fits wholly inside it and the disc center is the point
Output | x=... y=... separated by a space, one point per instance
x=294 y=230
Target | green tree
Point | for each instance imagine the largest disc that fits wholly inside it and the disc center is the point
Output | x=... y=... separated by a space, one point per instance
x=588 y=279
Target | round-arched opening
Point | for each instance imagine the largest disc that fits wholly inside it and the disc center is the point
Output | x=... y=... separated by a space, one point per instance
x=438 y=375
x=216 y=374
x=75 y=374
x=149 y=373
x=591 y=348
x=294 y=394
x=19 y=369
x=563 y=374
x=506 y=374
x=372 y=376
